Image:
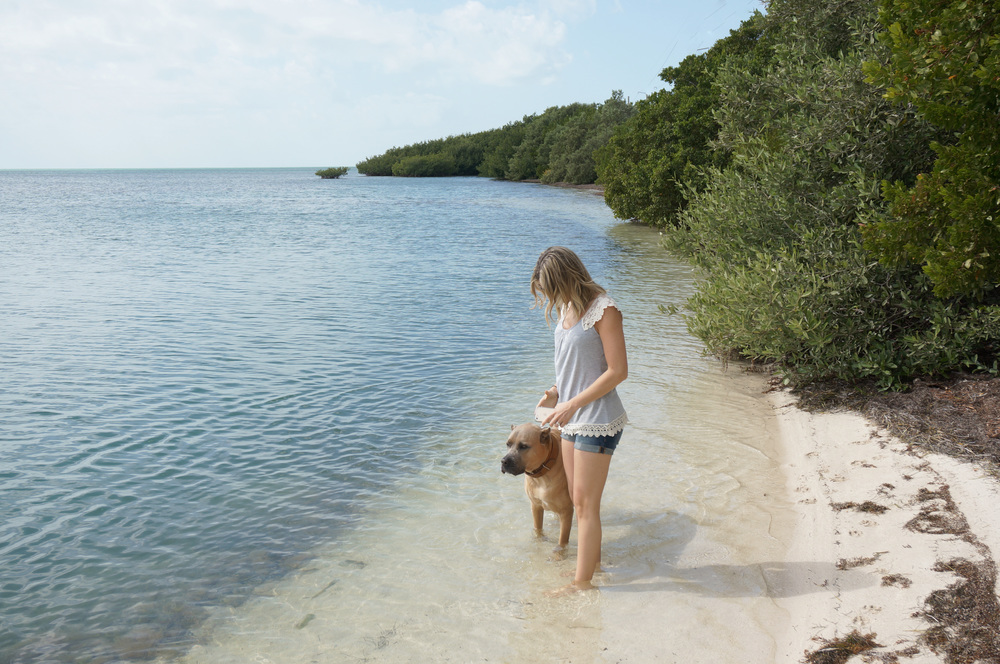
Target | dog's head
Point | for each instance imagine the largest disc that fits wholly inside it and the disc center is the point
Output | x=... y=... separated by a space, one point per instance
x=528 y=447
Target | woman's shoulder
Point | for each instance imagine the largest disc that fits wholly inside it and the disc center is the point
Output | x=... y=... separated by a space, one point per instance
x=595 y=312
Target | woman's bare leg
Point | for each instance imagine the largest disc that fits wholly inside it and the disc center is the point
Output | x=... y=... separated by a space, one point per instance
x=590 y=471
x=567 y=459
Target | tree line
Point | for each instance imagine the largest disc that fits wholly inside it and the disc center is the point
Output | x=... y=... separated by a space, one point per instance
x=834 y=169
x=555 y=146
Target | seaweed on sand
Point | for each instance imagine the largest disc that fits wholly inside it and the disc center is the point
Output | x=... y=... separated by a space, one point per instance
x=966 y=613
x=958 y=416
x=841 y=650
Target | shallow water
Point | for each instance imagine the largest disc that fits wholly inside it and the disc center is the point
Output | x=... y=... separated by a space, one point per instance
x=448 y=569
x=258 y=416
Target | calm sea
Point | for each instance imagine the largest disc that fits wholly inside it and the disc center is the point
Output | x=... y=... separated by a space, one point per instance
x=207 y=373
x=253 y=415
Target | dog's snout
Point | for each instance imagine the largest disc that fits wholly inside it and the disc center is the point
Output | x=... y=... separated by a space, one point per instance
x=511 y=465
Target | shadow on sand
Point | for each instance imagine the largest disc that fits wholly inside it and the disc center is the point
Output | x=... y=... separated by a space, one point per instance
x=644 y=559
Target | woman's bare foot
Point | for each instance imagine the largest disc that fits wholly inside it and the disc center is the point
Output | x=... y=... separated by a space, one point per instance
x=571 y=589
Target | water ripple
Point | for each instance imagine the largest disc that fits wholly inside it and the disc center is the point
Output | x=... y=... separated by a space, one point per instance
x=206 y=374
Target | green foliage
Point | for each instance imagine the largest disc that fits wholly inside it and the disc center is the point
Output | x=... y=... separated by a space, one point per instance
x=571 y=155
x=557 y=145
x=946 y=62
x=572 y=147
x=787 y=277
x=500 y=146
x=531 y=158
x=657 y=154
x=945 y=59
x=811 y=160
x=825 y=310
x=332 y=173
x=425 y=166
x=824 y=28
x=466 y=153
x=381 y=164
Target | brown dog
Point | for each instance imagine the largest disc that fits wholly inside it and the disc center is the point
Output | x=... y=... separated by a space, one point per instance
x=537 y=454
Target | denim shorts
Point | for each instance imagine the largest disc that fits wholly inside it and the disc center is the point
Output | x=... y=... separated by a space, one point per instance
x=597 y=444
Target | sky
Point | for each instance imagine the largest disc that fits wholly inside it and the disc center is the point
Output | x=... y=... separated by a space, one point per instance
x=315 y=83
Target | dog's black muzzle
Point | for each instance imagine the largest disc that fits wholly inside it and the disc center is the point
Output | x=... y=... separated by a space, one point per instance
x=511 y=465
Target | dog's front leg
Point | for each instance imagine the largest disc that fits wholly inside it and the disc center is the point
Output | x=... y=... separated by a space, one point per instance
x=565 y=525
x=537 y=513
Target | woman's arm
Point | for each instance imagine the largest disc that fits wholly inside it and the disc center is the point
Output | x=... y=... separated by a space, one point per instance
x=612 y=334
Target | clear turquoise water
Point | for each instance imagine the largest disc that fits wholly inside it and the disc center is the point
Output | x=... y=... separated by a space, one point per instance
x=206 y=374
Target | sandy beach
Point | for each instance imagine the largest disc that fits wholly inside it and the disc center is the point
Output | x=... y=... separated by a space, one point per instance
x=892 y=544
x=884 y=554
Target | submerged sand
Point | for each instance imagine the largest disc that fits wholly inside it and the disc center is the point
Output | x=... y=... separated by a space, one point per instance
x=821 y=526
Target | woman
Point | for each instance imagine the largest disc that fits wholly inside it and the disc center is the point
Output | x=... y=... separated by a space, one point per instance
x=590 y=361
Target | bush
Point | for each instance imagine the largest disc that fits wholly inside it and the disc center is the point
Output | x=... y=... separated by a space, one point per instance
x=573 y=146
x=500 y=146
x=562 y=141
x=425 y=166
x=332 y=173
x=946 y=62
x=380 y=165
x=531 y=158
x=778 y=231
x=829 y=311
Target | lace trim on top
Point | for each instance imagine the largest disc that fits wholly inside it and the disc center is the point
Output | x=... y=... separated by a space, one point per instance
x=596 y=312
x=609 y=429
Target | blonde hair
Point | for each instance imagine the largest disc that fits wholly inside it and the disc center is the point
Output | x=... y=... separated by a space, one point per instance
x=560 y=280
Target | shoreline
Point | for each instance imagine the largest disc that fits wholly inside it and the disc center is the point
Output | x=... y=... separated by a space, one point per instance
x=897 y=544
x=595 y=188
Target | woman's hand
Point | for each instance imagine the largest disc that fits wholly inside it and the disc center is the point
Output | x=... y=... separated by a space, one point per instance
x=550 y=398
x=562 y=414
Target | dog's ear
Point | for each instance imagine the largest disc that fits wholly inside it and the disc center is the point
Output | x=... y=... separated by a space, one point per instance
x=544 y=437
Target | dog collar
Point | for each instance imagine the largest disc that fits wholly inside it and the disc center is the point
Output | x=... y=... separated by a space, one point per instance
x=547 y=464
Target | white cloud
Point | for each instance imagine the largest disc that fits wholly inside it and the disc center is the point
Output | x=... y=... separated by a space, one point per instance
x=500 y=46
x=226 y=39
x=122 y=68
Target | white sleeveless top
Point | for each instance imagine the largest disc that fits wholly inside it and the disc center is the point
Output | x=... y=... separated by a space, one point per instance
x=579 y=362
